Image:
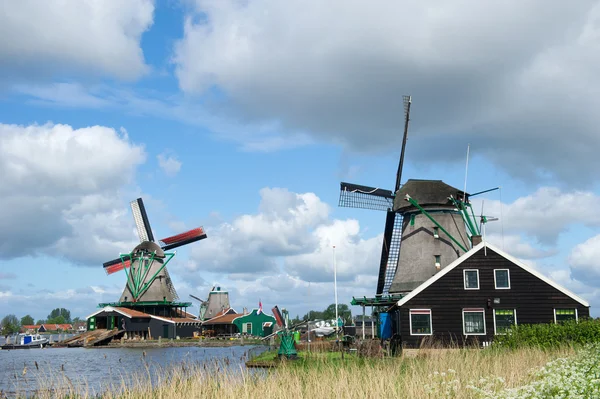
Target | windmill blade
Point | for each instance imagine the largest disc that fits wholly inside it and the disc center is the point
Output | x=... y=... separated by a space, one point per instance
x=141 y=220
x=390 y=252
x=357 y=196
x=198 y=299
x=183 y=238
x=116 y=265
x=278 y=316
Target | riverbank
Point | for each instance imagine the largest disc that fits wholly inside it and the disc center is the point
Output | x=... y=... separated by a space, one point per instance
x=174 y=343
x=461 y=373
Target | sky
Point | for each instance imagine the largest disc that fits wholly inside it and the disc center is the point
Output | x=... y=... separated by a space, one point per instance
x=244 y=116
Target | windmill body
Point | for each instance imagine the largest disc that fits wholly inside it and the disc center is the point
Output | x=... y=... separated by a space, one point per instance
x=425 y=248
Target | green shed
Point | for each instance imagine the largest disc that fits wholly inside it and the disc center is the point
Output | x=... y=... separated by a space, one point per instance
x=254 y=323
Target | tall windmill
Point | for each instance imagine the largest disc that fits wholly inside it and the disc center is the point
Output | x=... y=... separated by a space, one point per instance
x=357 y=196
x=148 y=281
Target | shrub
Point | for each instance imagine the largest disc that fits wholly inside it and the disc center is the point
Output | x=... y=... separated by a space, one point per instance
x=547 y=336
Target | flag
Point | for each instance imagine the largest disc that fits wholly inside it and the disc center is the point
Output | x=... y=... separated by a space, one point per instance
x=259 y=307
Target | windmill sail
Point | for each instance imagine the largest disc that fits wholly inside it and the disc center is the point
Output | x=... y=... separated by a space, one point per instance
x=364 y=197
x=390 y=252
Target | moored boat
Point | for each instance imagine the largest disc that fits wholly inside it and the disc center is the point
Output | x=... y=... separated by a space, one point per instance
x=25 y=341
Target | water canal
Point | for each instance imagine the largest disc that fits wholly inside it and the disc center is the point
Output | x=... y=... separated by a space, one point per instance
x=92 y=370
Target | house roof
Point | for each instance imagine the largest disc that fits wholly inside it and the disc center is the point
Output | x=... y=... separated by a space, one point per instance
x=222 y=319
x=56 y=326
x=31 y=327
x=508 y=257
x=136 y=313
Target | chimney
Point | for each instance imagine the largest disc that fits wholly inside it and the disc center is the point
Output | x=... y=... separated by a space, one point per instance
x=476 y=240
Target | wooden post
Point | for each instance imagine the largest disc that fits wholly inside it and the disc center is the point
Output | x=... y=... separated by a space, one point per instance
x=372 y=326
x=363 y=322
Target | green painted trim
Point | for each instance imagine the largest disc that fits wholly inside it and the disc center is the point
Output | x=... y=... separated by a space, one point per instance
x=416 y=204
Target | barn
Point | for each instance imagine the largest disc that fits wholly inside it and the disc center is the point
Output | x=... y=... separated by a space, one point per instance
x=144 y=325
x=479 y=295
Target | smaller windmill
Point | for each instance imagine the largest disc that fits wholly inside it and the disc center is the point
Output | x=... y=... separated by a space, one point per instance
x=148 y=281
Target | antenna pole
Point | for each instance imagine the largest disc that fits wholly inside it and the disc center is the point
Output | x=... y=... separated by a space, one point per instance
x=407 y=102
x=466 y=173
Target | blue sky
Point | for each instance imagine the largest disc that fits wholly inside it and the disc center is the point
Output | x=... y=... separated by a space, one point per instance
x=244 y=118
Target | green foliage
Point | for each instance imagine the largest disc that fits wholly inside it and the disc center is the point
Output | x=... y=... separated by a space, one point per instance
x=26 y=320
x=10 y=324
x=329 y=314
x=40 y=322
x=59 y=316
x=547 y=336
x=57 y=320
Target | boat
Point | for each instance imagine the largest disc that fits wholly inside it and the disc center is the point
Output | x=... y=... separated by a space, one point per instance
x=25 y=341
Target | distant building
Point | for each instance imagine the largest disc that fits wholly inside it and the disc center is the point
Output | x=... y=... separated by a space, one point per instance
x=221 y=324
x=255 y=323
x=144 y=325
x=229 y=323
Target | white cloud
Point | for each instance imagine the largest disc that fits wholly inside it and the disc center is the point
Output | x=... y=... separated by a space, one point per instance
x=288 y=243
x=336 y=70
x=544 y=214
x=61 y=191
x=519 y=246
x=584 y=261
x=169 y=164
x=81 y=36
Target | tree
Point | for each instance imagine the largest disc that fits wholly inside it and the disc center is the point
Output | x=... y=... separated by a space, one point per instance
x=343 y=312
x=26 y=320
x=40 y=322
x=313 y=315
x=59 y=316
x=76 y=320
x=10 y=325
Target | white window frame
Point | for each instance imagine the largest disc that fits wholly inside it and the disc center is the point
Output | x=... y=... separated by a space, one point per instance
x=576 y=314
x=515 y=315
x=473 y=310
x=410 y=313
x=465 y=278
x=496 y=284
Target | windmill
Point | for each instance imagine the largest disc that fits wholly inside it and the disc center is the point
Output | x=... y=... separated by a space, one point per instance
x=216 y=303
x=203 y=306
x=148 y=281
x=357 y=196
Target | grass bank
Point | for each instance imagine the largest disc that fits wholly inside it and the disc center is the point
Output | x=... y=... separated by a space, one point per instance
x=460 y=373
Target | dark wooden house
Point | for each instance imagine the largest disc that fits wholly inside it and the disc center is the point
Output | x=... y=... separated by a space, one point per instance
x=478 y=296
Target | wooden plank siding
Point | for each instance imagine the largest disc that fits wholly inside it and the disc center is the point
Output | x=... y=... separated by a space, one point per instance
x=533 y=299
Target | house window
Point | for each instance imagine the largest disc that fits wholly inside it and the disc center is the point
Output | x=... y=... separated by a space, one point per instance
x=436 y=232
x=471 y=279
x=503 y=320
x=474 y=321
x=564 y=315
x=502 y=279
x=438 y=261
x=420 y=322
x=249 y=328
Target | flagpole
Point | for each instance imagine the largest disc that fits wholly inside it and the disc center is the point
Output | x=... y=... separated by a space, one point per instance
x=335 y=289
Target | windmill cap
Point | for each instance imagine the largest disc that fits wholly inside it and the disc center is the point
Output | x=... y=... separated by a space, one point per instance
x=150 y=247
x=426 y=193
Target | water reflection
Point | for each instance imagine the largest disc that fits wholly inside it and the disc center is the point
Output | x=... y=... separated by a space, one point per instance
x=22 y=371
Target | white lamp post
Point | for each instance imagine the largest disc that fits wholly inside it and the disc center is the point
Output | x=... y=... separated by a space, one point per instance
x=335 y=289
